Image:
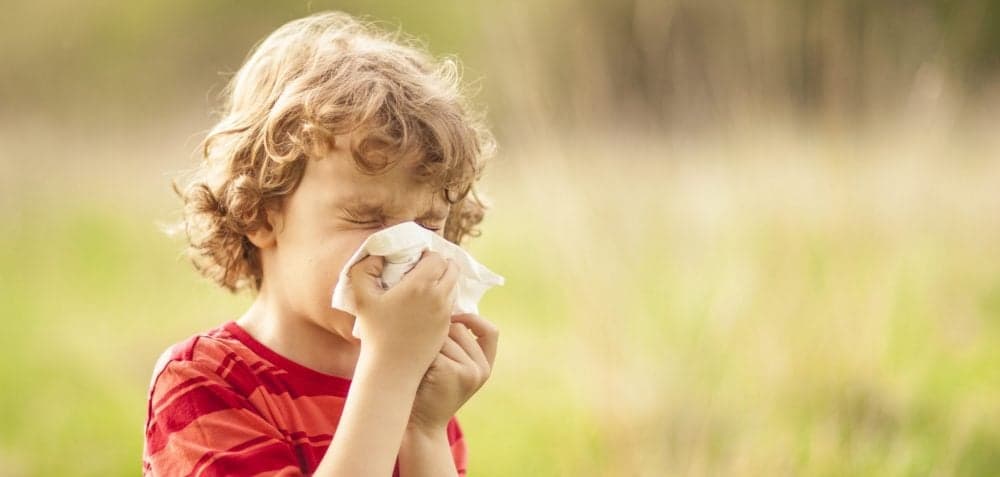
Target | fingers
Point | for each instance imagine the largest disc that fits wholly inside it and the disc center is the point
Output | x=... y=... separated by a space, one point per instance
x=430 y=268
x=486 y=332
x=370 y=265
x=467 y=341
x=450 y=276
x=365 y=275
x=454 y=352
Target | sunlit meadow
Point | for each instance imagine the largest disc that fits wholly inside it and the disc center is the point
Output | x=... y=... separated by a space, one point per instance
x=777 y=304
x=788 y=265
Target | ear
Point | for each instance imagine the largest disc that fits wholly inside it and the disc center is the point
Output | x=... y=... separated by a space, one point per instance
x=266 y=235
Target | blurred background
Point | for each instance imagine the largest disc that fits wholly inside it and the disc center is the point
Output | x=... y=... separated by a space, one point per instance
x=740 y=238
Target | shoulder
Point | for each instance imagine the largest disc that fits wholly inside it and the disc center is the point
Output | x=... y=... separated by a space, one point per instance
x=206 y=355
x=200 y=419
x=203 y=346
x=210 y=347
x=202 y=374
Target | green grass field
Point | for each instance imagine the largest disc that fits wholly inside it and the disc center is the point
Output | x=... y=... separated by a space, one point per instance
x=775 y=304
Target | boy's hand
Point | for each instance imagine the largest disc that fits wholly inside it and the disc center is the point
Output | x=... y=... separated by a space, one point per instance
x=457 y=372
x=408 y=322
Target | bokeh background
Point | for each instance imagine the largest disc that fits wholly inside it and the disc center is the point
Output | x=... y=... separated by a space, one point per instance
x=740 y=238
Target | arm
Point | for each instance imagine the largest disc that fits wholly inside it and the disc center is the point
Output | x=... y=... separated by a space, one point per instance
x=199 y=425
x=426 y=454
x=374 y=419
x=460 y=369
x=401 y=331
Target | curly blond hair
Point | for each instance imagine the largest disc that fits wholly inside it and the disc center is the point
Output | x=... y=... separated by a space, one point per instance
x=312 y=79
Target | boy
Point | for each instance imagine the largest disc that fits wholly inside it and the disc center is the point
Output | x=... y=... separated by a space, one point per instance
x=331 y=131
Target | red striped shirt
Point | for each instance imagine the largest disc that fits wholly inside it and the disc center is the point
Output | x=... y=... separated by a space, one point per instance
x=222 y=403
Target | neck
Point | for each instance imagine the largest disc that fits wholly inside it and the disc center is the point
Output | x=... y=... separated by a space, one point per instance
x=300 y=339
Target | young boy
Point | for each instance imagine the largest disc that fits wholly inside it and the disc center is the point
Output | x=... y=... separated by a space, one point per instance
x=332 y=130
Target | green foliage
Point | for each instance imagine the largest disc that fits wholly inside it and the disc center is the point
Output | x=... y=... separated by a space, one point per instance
x=812 y=297
x=730 y=315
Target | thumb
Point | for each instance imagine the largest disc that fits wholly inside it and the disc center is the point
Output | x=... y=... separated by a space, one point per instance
x=366 y=276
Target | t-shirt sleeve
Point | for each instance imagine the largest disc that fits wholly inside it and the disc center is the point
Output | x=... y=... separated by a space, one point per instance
x=199 y=425
x=458 y=447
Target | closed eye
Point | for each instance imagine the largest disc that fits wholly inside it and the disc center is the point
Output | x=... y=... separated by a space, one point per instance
x=365 y=222
x=378 y=223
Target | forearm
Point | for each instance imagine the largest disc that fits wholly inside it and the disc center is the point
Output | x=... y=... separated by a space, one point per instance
x=426 y=454
x=375 y=415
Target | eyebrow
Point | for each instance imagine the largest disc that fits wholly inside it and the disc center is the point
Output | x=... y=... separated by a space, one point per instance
x=360 y=207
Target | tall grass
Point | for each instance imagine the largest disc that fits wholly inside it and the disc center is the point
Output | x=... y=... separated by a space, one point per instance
x=775 y=303
x=804 y=306
x=695 y=285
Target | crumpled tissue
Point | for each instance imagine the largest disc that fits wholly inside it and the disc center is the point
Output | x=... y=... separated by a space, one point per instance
x=401 y=245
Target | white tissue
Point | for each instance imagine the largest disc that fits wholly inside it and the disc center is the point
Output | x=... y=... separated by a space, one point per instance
x=401 y=245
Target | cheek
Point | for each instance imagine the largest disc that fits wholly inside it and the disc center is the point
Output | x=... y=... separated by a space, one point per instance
x=315 y=265
x=326 y=264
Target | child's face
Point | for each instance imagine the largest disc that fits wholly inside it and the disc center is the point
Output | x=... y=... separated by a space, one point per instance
x=324 y=221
